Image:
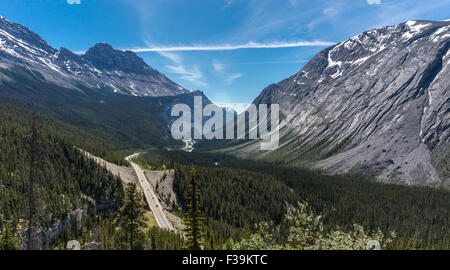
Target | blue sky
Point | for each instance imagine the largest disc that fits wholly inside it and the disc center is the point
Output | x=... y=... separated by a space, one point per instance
x=230 y=49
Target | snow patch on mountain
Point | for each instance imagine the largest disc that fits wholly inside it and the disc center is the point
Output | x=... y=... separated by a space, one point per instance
x=415 y=28
x=237 y=107
x=102 y=66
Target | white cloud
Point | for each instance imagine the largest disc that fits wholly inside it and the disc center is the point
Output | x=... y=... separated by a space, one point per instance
x=294 y=3
x=330 y=14
x=230 y=47
x=331 y=11
x=227 y=47
x=374 y=2
x=192 y=75
x=228 y=3
x=293 y=61
x=172 y=57
x=231 y=78
x=76 y=2
x=393 y=13
x=220 y=69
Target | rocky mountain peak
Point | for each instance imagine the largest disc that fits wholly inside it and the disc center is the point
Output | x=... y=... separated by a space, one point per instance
x=104 y=57
x=101 y=68
x=11 y=32
x=67 y=55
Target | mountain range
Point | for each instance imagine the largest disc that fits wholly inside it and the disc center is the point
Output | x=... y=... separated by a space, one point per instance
x=376 y=104
x=111 y=93
x=101 y=67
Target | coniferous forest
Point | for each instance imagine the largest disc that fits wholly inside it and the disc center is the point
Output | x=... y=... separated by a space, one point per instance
x=72 y=192
x=65 y=179
x=237 y=196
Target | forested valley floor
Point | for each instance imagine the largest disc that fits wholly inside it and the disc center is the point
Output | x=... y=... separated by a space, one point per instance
x=239 y=199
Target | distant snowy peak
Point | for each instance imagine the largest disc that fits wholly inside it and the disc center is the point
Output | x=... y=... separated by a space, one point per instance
x=101 y=67
x=237 y=107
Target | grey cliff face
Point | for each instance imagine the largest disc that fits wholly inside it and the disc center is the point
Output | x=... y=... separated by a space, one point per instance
x=102 y=67
x=376 y=104
x=19 y=35
x=104 y=57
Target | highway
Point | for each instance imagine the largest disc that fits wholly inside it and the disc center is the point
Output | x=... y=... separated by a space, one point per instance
x=150 y=196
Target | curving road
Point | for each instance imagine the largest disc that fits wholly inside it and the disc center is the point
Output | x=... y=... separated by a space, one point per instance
x=150 y=196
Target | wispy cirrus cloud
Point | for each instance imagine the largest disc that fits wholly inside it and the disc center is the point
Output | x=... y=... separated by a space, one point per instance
x=293 y=61
x=397 y=12
x=219 y=68
x=231 y=78
x=193 y=75
x=227 y=47
x=74 y=2
x=190 y=74
x=172 y=57
x=227 y=4
x=330 y=13
x=374 y=2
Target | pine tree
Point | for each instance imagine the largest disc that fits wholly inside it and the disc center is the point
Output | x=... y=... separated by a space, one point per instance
x=131 y=221
x=153 y=242
x=7 y=240
x=35 y=169
x=193 y=220
x=84 y=236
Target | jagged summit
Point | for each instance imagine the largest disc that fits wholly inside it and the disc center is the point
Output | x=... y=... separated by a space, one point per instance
x=67 y=55
x=13 y=32
x=104 y=57
x=101 y=67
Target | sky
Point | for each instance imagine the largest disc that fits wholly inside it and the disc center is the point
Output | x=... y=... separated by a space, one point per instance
x=230 y=49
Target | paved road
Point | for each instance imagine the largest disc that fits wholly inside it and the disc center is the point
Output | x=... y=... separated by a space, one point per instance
x=150 y=196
